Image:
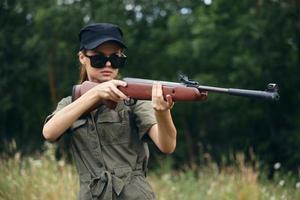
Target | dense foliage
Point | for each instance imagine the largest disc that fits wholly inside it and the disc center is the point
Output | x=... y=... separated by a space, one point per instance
x=244 y=44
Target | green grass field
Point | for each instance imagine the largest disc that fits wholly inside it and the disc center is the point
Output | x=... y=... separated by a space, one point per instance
x=42 y=177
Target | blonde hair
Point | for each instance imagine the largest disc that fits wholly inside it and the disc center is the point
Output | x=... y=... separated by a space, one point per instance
x=82 y=74
x=82 y=70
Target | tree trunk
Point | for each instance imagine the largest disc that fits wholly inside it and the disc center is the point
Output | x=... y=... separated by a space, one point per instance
x=52 y=78
x=190 y=149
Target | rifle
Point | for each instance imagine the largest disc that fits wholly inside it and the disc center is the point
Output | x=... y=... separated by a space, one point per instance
x=186 y=90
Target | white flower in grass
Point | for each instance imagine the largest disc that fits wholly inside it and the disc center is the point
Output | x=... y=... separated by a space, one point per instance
x=281 y=183
x=277 y=165
x=272 y=198
x=298 y=185
x=283 y=197
x=61 y=163
x=36 y=163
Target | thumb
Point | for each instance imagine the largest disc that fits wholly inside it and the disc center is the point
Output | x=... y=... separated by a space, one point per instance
x=169 y=100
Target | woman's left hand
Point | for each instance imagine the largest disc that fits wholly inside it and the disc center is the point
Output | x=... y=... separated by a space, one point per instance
x=158 y=102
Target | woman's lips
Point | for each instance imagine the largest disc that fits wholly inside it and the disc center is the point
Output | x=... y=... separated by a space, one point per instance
x=106 y=72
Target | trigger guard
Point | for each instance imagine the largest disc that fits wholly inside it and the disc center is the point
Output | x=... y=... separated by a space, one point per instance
x=130 y=102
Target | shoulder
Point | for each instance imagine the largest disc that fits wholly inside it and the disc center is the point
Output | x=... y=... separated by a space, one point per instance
x=64 y=101
x=143 y=109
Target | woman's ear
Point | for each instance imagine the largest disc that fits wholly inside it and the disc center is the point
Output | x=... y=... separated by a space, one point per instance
x=81 y=58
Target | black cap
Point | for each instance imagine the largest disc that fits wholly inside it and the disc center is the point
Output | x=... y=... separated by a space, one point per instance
x=94 y=35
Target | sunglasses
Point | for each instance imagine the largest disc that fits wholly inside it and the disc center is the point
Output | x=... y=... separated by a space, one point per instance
x=99 y=60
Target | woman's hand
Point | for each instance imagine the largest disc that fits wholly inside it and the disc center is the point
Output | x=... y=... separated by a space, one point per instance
x=164 y=132
x=158 y=102
x=109 y=90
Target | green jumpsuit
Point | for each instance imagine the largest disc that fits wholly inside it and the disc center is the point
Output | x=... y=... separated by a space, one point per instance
x=110 y=152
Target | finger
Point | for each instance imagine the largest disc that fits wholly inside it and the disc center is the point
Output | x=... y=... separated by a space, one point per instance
x=154 y=90
x=119 y=83
x=114 y=88
x=159 y=92
x=154 y=96
x=120 y=94
x=170 y=101
x=113 y=96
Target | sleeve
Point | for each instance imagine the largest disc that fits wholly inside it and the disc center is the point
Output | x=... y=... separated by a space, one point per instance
x=145 y=118
x=63 y=103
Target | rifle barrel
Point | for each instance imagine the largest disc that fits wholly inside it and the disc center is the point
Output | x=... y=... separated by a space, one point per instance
x=273 y=95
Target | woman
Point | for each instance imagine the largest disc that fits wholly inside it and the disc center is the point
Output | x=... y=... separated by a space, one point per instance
x=108 y=145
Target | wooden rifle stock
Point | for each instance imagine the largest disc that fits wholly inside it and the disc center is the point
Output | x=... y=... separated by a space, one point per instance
x=141 y=89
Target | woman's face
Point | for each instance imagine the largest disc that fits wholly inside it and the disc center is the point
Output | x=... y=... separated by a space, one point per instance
x=105 y=73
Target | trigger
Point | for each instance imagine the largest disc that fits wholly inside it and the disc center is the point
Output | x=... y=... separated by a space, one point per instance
x=130 y=102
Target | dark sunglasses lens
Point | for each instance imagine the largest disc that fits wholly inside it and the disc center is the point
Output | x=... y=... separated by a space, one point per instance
x=98 y=61
x=117 y=61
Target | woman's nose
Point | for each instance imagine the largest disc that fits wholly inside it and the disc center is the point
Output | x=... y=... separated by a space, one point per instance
x=108 y=64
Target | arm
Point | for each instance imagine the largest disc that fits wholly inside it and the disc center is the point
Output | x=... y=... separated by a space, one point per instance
x=65 y=117
x=164 y=132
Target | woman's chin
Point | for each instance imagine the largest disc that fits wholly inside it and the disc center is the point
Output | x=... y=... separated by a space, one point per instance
x=105 y=78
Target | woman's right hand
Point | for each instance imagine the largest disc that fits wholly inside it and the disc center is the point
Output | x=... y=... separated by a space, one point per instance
x=109 y=90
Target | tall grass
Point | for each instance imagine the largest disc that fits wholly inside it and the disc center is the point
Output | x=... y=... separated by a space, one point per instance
x=230 y=183
x=42 y=177
x=38 y=178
